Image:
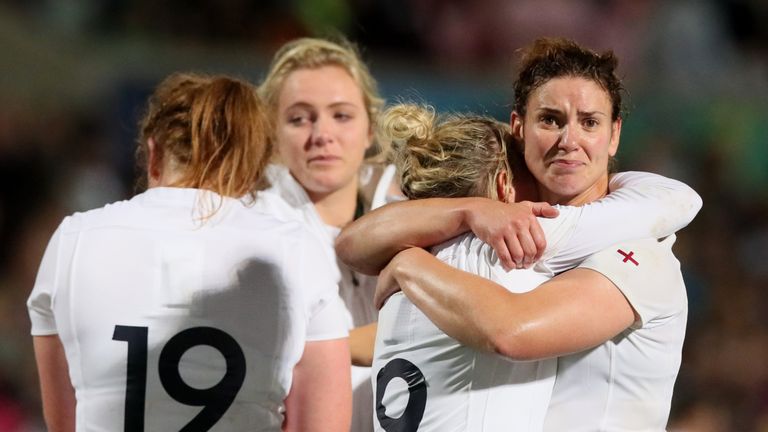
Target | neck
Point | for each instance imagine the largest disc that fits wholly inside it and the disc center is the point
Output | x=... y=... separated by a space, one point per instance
x=598 y=190
x=165 y=178
x=336 y=208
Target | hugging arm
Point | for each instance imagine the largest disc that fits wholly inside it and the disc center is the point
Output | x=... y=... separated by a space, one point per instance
x=368 y=243
x=640 y=205
x=557 y=318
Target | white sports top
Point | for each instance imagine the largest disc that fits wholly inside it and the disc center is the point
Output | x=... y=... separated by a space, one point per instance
x=287 y=198
x=168 y=322
x=427 y=381
x=626 y=383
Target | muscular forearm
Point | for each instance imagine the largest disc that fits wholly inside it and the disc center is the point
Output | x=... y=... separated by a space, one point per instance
x=464 y=306
x=511 y=230
x=555 y=319
x=371 y=241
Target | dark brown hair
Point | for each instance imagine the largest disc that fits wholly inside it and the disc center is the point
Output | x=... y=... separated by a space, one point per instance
x=549 y=58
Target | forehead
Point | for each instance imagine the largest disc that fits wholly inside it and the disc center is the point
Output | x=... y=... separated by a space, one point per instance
x=571 y=92
x=322 y=86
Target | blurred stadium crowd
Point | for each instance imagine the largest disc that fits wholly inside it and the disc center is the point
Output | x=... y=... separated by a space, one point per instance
x=75 y=74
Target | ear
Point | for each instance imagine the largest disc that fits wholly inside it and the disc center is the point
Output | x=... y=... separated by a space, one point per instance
x=154 y=163
x=504 y=189
x=516 y=123
x=613 y=147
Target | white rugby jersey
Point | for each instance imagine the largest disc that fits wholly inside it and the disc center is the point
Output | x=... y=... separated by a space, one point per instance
x=426 y=381
x=626 y=383
x=288 y=198
x=168 y=322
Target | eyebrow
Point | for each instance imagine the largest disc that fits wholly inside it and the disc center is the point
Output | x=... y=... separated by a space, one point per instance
x=548 y=110
x=305 y=105
x=591 y=113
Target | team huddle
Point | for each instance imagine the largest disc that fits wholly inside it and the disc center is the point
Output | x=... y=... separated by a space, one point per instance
x=302 y=258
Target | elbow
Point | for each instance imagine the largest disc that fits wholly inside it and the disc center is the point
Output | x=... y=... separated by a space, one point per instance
x=690 y=200
x=342 y=245
x=690 y=205
x=351 y=253
x=696 y=203
x=511 y=343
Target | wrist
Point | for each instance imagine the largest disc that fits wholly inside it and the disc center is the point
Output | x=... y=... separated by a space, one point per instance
x=403 y=264
x=468 y=209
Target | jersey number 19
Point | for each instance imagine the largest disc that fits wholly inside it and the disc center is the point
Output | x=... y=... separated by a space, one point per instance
x=214 y=400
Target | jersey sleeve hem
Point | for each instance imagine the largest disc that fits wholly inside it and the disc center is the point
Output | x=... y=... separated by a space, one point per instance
x=38 y=331
x=328 y=336
x=618 y=282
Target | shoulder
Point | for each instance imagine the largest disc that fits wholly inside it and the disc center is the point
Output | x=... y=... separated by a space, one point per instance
x=630 y=258
x=283 y=185
x=269 y=220
x=378 y=185
x=109 y=213
x=647 y=273
x=467 y=252
x=272 y=202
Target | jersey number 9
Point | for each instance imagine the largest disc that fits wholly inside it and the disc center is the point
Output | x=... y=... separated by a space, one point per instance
x=417 y=395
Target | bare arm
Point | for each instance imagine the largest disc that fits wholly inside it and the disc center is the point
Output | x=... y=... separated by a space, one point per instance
x=321 y=394
x=56 y=390
x=361 y=344
x=557 y=318
x=368 y=243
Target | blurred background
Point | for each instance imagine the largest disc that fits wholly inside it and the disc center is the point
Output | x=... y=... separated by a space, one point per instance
x=75 y=74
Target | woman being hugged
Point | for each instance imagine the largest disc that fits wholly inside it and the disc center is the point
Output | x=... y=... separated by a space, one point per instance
x=178 y=309
x=617 y=322
x=324 y=105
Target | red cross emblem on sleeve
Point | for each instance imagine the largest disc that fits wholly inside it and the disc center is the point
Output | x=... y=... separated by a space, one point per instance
x=628 y=257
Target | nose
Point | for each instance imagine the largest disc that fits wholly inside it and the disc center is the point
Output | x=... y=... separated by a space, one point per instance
x=569 y=138
x=321 y=132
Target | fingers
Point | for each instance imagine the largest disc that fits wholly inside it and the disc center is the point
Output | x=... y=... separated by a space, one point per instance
x=529 y=248
x=542 y=209
x=379 y=298
x=539 y=240
x=503 y=252
x=524 y=243
x=516 y=251
x=514 y=232
x=384 y=291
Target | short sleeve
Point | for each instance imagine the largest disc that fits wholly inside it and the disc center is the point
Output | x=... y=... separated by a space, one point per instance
x=648 y=275
x=40 y=301
x=327 y=321
x=319 y=281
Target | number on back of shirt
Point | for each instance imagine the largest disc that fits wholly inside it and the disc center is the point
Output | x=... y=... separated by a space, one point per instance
x=417 y=395
x=215 y=400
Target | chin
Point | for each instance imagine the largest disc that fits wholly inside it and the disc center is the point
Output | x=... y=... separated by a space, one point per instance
x=566 y=188
x=324 y=185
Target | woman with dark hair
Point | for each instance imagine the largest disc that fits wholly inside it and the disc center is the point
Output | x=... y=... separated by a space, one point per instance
x=617 y=322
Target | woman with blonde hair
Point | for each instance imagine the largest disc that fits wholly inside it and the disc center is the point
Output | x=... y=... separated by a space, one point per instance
x=177 y=309
x=324 y=106
x=455 y=386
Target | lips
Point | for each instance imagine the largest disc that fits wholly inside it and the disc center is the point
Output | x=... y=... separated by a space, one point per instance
x=566 y=163
x=323 y=159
